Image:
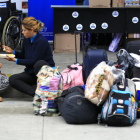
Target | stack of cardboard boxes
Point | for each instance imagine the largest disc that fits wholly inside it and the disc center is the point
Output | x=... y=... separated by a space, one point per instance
x=132 y=3
x=99 y=3
x=105 y=3
x=117 y=3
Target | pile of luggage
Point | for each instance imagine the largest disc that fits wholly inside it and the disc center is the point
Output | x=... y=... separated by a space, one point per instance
x=96 y=91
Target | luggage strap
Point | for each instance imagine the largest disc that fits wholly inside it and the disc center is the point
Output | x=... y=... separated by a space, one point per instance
x=68 y=91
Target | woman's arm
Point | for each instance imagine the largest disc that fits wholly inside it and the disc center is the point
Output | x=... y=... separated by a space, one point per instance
x=38 y=52
x=20 y=54
x=17 y=54
x=0 y=65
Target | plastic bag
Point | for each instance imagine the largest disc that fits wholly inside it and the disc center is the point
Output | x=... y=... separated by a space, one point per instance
x=119 y=75
x=126 y=62
x=99 y=83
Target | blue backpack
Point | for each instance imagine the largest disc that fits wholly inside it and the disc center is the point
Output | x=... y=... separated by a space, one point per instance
x=120 y=108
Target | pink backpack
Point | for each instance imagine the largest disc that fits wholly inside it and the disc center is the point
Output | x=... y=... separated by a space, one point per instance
x=72 y=76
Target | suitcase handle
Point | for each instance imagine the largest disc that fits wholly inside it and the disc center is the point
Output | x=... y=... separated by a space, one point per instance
x=79 y=32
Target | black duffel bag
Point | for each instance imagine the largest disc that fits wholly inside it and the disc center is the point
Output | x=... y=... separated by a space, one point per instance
x=75 y=108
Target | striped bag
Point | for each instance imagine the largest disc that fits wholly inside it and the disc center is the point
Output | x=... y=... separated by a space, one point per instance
x=49 y=86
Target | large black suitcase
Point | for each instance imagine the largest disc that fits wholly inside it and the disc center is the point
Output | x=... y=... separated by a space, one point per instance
x=75 y=108
x=91 y=57
x=133 y=47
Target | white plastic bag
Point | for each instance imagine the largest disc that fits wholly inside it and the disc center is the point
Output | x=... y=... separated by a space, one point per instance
x=99 y=83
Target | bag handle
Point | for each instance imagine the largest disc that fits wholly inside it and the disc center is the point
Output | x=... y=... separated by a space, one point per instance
x=72 y=68
x=138 y=79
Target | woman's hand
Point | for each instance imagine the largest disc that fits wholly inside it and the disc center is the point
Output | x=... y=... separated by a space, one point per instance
x=3 y=74
x=10 y=58
x=7 y=49
x=0 y=65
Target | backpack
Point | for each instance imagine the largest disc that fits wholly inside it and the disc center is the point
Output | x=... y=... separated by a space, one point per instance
x=49 y=86
x=72 y=76
x=120 y=109
x=75 y=108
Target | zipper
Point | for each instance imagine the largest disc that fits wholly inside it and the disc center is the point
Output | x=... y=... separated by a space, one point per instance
x=103 y=109
x=108 y=105
x=135 y=111
x=120 y=115
x=134 y=116
x=131 y=108
x=75 y=96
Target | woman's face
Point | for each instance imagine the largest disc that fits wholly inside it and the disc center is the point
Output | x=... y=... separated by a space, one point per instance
x=27 y=33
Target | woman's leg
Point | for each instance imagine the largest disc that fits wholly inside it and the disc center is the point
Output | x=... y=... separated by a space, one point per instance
x=38 y=65
x=23 y=82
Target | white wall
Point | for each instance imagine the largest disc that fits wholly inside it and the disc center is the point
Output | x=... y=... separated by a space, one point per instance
x=19 y=5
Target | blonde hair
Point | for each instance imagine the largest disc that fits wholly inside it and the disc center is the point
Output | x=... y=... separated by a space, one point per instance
x=31 y=22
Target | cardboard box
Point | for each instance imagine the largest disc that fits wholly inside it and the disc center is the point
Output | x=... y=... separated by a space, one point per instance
x=118 y=3
x=135 y=35
x=65 y=43
x=132 y=5
x=99 y=3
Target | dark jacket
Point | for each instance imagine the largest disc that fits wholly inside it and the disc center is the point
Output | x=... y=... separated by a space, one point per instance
x=39 y=49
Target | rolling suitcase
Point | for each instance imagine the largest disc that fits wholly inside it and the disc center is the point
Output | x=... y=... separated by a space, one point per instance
x=91 y=57
x=133 y=47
